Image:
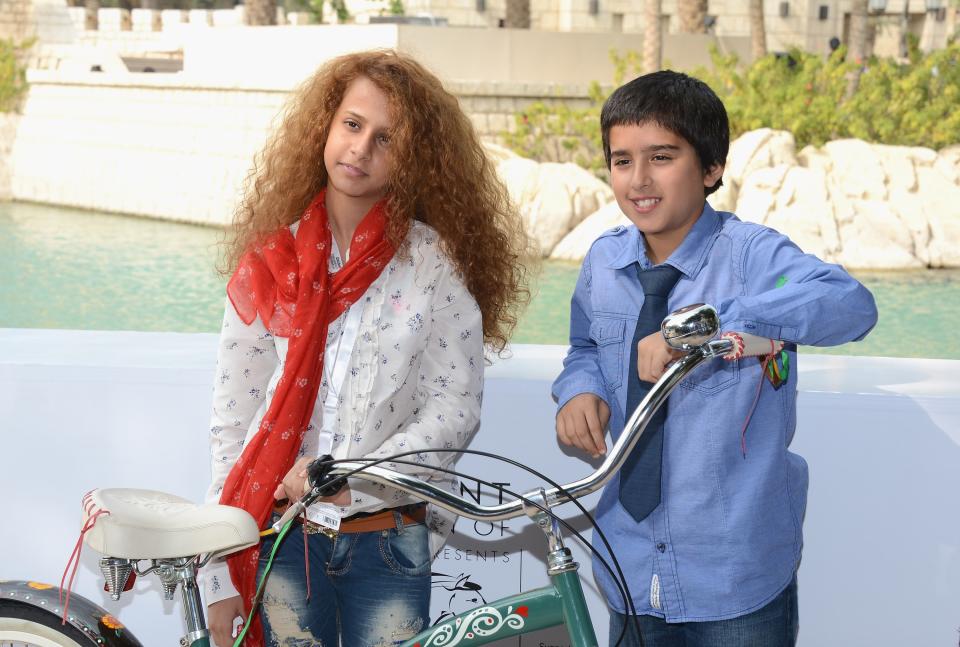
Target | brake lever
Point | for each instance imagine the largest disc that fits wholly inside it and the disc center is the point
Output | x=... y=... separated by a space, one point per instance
x=318 y=473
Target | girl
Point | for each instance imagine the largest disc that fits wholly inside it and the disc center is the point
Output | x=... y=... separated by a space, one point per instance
x=374 y=254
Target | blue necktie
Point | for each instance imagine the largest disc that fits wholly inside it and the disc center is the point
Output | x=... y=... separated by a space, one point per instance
x=640 y=474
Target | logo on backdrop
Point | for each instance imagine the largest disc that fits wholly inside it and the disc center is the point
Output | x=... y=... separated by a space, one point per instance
x=457 y=592
x=476 y=565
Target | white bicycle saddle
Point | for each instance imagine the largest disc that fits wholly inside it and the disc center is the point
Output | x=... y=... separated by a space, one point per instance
x=143 y=524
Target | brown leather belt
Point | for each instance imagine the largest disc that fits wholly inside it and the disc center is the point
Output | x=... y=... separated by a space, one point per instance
x=368 y=521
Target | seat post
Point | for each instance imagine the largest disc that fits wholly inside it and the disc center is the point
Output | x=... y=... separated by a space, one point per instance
x=197 y=633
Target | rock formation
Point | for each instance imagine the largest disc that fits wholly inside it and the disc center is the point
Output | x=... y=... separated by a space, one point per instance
x=866 y=206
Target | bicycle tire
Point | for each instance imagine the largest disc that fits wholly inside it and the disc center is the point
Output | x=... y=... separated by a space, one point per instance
x=23 y=625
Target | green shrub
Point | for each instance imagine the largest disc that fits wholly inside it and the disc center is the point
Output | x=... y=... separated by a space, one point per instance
x=312 y=7
x=340 y=9
x=13 y=74
x=911 y=104
x=908 y=104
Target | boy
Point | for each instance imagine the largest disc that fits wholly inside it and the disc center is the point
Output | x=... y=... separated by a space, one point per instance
x=711 y=541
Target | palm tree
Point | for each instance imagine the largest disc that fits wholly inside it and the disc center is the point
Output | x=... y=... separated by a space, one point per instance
x=692 y=15
x=904 y=31
x=90 y=19
x=261 y=12
x=518 y=14
x=758 y=30
x=651 y=36
x=857 y=47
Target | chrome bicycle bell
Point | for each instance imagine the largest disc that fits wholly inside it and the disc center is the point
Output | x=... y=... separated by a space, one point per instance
x=690 y=326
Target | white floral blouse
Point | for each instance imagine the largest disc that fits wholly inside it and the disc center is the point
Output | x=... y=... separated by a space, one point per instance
x=415 y=381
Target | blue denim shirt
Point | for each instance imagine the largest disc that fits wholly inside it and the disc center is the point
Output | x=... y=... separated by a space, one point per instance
x=726 y=538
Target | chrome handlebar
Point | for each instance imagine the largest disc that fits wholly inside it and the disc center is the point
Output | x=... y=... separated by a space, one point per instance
x=633 y=430
x=554 y=496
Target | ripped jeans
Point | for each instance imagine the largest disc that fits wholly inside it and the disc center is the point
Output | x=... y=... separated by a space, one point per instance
x=367 y=589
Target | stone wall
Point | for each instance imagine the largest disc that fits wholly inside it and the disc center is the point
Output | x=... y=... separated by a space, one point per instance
x=158 y=147
x=8 y=131
x=163 y=146
x=492 y=106
x=16 y=19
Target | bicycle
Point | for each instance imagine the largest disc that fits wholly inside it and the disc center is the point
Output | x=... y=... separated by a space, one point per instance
x=177 y=537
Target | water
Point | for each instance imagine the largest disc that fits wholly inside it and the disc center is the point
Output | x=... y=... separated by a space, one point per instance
x=65 y=268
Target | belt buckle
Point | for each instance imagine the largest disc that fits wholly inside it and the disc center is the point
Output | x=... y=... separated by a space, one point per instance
x=330 y=533
x=313 y=528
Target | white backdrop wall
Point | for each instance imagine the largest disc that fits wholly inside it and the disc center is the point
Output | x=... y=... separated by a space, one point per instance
x=881 y=566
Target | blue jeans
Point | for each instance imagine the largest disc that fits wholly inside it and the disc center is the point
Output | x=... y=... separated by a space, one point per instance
x=368 y=589
x=774 y=625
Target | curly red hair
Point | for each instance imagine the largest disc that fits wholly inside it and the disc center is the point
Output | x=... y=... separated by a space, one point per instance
x=441 y=176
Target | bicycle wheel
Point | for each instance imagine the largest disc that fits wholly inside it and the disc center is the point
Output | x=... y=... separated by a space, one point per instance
x=22 y=625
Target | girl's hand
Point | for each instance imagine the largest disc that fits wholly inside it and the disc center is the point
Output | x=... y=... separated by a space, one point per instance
x=295 y=485
x=653 y=357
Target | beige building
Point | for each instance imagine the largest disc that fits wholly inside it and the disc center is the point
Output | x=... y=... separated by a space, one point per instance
x=16 y=19
x=807 y=24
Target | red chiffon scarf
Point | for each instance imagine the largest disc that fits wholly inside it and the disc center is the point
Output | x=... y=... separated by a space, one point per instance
x=285 y=280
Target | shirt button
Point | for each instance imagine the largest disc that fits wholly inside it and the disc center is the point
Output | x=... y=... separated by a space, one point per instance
x=661 y=547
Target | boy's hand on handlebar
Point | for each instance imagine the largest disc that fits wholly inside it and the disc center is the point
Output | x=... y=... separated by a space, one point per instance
x=653 y=357
x=581 y=423
x=221 y=617
x=295 y=485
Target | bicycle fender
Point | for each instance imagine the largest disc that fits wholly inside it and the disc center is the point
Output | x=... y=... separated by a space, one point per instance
x=92 y=620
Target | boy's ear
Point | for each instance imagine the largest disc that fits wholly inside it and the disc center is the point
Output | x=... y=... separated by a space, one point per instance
x=713 y=174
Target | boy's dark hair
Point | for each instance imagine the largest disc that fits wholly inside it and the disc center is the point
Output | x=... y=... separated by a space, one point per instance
x=677 y=102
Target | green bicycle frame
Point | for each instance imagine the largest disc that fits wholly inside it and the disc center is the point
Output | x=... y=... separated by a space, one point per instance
x=562 y=603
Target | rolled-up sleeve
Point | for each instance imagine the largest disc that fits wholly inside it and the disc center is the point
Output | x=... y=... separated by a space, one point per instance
x=802 y=299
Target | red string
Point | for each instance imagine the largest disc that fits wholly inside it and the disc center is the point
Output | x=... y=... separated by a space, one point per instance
x=306 y=553
x=88 y=505
x=91 y=520
x=756 y=399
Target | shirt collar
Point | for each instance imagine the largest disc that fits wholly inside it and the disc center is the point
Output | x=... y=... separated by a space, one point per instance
x=633 y=251
x=688 y=257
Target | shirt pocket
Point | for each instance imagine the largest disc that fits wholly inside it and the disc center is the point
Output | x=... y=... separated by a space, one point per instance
x=713 y=377
x=608 y=334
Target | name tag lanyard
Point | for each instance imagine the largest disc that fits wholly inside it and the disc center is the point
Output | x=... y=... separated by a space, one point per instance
x=336 y=376
x=327 y=514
